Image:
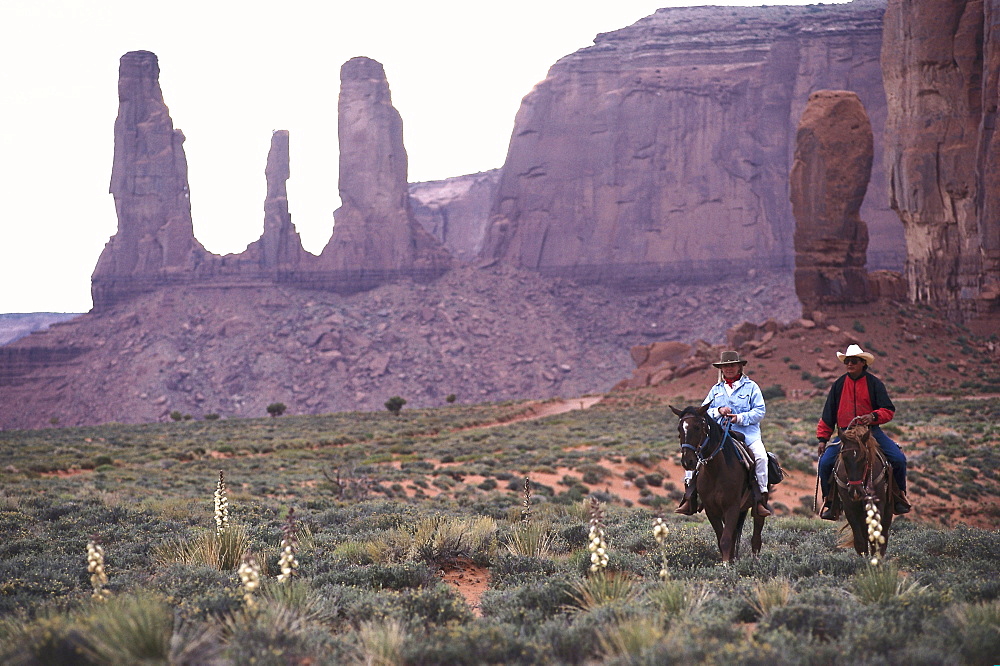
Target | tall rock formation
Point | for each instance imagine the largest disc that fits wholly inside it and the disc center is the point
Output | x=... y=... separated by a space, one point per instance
x=829 y=177
x=663 y=151
x=940 y=63
x=155 y=242
x=375 y=237
x=280 y=247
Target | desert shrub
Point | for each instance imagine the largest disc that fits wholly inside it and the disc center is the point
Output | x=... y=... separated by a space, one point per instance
x=276 y=409
x=402 y=576
x=977 y=631
x=395 y=404
x=533 y=602
x=437 y=604
x=197 y=591
x=473 y=644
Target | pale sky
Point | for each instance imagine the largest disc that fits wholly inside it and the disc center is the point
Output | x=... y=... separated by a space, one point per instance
x=231 y=72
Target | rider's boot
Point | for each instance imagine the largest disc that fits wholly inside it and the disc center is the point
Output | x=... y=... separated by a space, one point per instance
x=901 y=505
x=762 y=509
x=689 y=504
x=831 y=508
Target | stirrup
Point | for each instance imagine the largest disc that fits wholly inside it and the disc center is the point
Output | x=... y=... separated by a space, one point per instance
x=828 y=512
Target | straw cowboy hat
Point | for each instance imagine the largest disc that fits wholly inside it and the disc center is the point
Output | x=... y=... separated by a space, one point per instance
x=855 y=351
x=728 y=358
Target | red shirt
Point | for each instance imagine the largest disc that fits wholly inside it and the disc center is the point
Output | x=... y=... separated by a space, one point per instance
x=855 y=400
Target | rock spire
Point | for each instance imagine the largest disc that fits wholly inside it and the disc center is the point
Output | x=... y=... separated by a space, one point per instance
x=155 y=239
x=376 y=237
x=828 y=181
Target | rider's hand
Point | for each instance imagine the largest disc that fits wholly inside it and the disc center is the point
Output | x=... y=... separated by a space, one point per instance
x=822 y=447
x=866 y=419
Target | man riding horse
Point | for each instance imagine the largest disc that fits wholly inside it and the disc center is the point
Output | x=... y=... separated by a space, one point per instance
x=736 y=398
x=858 y=397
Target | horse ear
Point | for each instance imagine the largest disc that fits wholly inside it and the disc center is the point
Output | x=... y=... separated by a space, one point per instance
x=703 y=409
x=676 y=411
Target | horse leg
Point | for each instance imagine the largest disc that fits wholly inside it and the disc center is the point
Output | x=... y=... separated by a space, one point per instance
x=738 y=533
x=719 y=527
x=729 y=542
x=756 y=541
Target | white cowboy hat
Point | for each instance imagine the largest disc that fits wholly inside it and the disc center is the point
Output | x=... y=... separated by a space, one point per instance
x=854 y=351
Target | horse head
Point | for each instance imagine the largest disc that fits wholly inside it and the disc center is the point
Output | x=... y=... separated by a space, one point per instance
x=858 y=455
x=693 y=430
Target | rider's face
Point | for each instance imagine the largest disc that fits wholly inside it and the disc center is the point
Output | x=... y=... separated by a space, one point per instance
x=855 y=366
x=732 y=371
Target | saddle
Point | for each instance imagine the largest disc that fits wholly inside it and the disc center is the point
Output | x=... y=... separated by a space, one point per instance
x=775 y=474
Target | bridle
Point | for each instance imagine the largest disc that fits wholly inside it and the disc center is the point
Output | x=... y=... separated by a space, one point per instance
x=865 y=485
x=702 y=460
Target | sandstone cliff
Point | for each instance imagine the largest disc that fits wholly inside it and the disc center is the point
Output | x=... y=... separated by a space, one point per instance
x=941 y=60
x=663 y=151
x=375 y=236
x=456 y=210
x=829 y=177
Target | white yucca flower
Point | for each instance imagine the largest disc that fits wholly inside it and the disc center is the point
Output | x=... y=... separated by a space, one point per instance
x=221 y=505
x=287 y=562
x=597 y=546
x=249 y=572
x=95 y=566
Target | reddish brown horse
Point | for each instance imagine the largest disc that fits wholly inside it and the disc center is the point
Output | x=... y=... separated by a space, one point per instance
x=862 y=474
x=722 y=481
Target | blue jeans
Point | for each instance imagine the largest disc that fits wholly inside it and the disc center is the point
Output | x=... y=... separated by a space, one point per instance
x=890 y=448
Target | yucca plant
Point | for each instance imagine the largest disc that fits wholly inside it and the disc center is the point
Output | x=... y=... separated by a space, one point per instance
x=221 y=550
x=529 y=539
x=978 y=630
x=630 y=636
x=603 y=588
x=678 y=598
x=130 y=630
x=767 y=595
x=381 y=642
x=877 y=583
x=441 y=539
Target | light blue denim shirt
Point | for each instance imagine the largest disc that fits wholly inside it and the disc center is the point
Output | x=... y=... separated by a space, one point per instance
x=747 y=402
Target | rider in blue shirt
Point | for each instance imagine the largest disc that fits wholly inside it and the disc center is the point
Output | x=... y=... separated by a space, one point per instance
x=737 y=398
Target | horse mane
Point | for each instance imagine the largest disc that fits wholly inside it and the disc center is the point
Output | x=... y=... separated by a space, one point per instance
x=862 y=435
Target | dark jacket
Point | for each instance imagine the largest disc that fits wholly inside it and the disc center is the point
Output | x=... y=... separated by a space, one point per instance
x=878 y=401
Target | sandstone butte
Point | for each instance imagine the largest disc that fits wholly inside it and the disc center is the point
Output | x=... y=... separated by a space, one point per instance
x=662 y=152
x=651 y=160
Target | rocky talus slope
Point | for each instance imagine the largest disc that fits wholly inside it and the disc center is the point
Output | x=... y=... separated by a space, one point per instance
x=482 y=334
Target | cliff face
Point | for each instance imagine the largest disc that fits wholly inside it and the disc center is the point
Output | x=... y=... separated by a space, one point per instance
x=940 y=61
x=456 y=210
x=833 y=162
x=666 y=146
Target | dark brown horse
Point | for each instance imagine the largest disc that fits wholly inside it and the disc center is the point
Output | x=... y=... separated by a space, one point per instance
x=722 y=481
x=864 y=476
